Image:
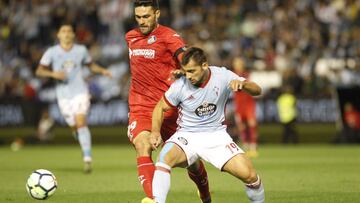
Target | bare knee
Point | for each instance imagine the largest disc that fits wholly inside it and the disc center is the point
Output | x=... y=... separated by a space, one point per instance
x=172 y=155
x=250 y=177
x=142 y=146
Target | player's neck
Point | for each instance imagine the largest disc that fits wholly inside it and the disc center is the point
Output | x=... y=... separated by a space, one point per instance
x=205 y=78
x=153 y=30
x=66 y=46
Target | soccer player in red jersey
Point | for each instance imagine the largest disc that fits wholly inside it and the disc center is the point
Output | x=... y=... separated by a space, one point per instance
x=154 y=52
x=245 y=113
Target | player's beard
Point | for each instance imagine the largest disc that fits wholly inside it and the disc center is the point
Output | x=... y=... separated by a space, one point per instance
x=202 y=79
x=145 y=30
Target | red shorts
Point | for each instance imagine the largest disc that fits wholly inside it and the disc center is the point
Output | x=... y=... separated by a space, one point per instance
x=245 y=115
x=139 y=123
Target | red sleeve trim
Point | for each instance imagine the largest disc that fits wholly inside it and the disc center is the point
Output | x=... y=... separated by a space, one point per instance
x=167 y=102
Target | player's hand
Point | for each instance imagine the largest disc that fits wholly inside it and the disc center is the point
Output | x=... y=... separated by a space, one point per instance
x=107 y=73
x=236 y=85
x=155 y=140
x=176 y=74
x=59 y=75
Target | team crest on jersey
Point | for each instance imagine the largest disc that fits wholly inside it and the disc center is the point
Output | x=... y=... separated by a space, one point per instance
x=206 y=109
x=183 y=140
x=68 y=66
x=151 y=39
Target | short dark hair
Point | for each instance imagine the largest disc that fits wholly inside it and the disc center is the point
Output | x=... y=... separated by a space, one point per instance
x=196 y=54
x=152 y=3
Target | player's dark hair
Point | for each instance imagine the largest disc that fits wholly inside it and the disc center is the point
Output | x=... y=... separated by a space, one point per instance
x=72 y=25
x=152 y=3
x=196 y=54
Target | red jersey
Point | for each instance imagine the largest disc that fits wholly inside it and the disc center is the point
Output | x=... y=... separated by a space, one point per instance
x=244 y=103
x=352 y=118
x=152 y=58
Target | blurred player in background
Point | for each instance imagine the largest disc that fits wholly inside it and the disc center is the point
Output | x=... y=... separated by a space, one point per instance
x=201 y=97
x=154 y=52
x=352 y=122
x=287 y=111
x=245 y=113
x=64 y=62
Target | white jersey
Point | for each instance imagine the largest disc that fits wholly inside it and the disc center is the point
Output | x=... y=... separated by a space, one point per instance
x=202 y=108
x=71 y=62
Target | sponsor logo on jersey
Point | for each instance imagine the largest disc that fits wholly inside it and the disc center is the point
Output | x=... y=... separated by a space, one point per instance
x=151 y=39
x=183 y=140
x=146 y=53
x=206 y=109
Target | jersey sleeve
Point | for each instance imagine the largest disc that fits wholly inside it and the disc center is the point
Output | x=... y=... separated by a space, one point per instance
x=173 y=94
x=175 y=42
x=87 y=57
x=46 y=59
x=229 y=75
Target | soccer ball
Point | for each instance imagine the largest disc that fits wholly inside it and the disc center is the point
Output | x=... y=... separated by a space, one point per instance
x=41 y=184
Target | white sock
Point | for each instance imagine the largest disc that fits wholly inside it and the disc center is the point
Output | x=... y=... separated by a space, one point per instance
x=84 y=137
x=255 y=191
x=161 y=182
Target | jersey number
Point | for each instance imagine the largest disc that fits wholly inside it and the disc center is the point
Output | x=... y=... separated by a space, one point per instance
x=232 y=147
x=131 y=127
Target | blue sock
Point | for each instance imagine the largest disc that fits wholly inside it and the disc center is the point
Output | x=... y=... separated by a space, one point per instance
x=84 y=137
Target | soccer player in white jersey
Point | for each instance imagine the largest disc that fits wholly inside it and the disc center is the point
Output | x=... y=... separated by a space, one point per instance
x=201 y=98
x=64 y=62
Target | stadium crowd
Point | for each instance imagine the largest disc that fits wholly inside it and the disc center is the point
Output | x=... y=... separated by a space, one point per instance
x=311 y=45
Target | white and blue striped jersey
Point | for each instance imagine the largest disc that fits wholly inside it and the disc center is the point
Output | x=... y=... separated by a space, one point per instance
x=202 y=108
x=71 y=62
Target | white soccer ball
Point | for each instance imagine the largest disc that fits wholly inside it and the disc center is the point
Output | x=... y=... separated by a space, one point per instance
x=41 y=184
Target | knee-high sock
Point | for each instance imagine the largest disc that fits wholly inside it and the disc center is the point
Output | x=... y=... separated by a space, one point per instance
x=255 y=191
x=200 y=178
x=253 y=135
x=146 y=170
x=161 y=182
x=85 y=142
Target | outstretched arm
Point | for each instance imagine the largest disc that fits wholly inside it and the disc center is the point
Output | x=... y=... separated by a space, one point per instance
x=95 y=68
x=249 y=87
x=157 y=120
x=43 y=71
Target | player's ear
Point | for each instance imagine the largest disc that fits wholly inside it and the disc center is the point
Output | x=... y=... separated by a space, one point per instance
x=157 y=14
x=204 y=65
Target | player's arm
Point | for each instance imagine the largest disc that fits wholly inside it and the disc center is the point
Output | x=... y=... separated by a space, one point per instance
x=44 y=71
x=157 y=119
x=95 y=68
x=178 y=57
x=247 y=86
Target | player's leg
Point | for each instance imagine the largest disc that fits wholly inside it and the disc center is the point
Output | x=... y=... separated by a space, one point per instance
x=198 y=174
x=84 y=137
x=145 y=164
x=80 y=107
x=242 y=130
x=196 y=171
x=138 y=133
x=75 y=113
x=252 y=125
x=241 y=167
x=170 y=156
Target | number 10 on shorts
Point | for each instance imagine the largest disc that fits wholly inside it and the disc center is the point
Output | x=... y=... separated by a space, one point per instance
x=232 y=147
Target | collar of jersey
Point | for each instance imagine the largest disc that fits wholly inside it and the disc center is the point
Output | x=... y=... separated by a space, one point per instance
x=202 y=85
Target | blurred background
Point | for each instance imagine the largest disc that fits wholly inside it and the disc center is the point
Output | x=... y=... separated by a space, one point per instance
x=311 y=47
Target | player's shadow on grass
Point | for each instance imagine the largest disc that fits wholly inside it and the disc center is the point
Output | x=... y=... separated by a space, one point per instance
x=69 y=169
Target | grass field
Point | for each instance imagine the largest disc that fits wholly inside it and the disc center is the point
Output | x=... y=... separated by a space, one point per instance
x=292 y=174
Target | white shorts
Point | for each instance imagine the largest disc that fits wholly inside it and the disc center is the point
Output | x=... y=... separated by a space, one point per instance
x=215 y=147
x=80 y=104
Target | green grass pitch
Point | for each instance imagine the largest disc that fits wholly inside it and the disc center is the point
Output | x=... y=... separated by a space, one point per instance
x=292 y=174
